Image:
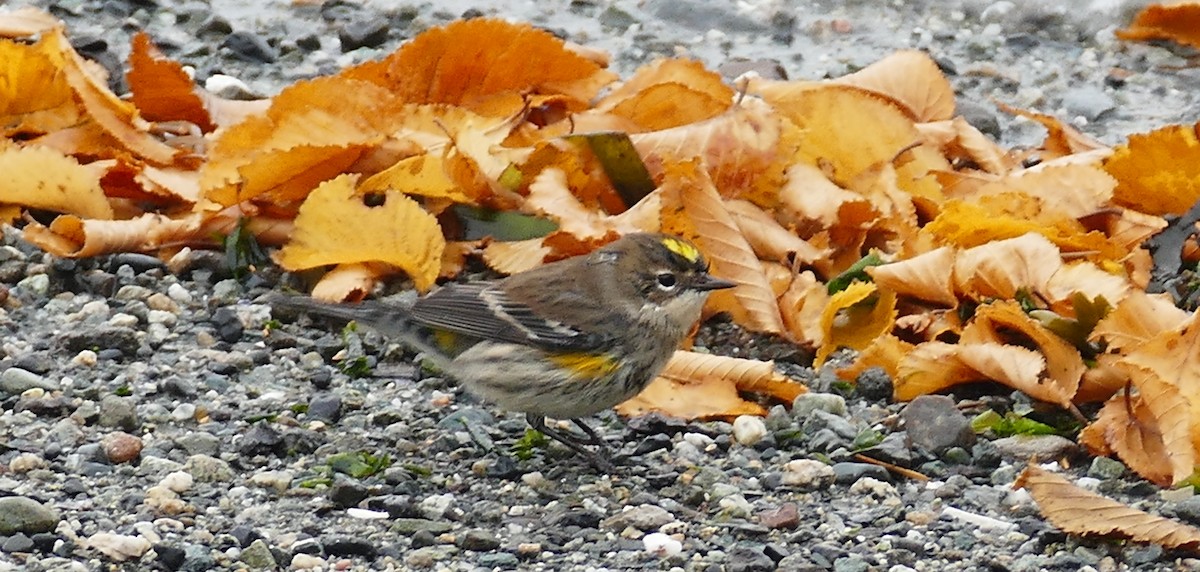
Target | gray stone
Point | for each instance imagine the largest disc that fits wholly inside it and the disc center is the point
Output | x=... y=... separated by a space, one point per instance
x=498 y=560
x=15 y=381
x=1045 y=448
x=25 y=515
x=200 y=443
x=118 y=412
x=1106 y=468
x=645 y=517
x=749 y=559
x=1088 y=101
x=208 y=469
x=893 y=449
x=806 y=403
x=934 y=424
x=847 y=473
x=410 y=526
x=478 y=540
x=258 y=556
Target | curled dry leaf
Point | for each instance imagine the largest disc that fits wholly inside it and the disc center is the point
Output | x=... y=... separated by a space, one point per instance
x=35 y=97
x=705 y=386
x=885 y=352
x=854 y=317
x=1088 y=279
x=350 y=282
x=469 y=61
x=25 y=22
x=388 y=227
x=808 y=196
x=1176 y=21
x=1163 y=424
x=1004 y=322
x=1077 y=511
x=41 y=178
x=550 y=195
x=668 y=93
x=769 y=239
x=957 y=138
x=1062 y=139
x=1137 y=319
x=161 y=90
x=118 y=118
x=999 y=269
x=801 y=306
x=927 y=276
x=735 y=147
x=911 y=78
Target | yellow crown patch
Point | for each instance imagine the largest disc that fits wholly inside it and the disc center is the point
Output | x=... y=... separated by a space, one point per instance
x=682 y=248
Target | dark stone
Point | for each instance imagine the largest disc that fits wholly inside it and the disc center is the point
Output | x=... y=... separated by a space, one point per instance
x=478 y=540
x=934 y=424
x=574 y=517
x=848 y=473
x=397 y=506
x=17 y=543
x=250 y=47
x=197 y=559
x=102 y=338
x=245 y=535
x=347 y=493
x=874 y=383
x=44 y=541
x=652 y=443
x=422 y=538
x=171 y=557
x=228 y=326
x=745 y=558
x=138 y=262
x=363 y=33
x=302 y=441
x=325 y=407
x=347 y=546
x=262 y=439
x=35 y=362
x=893 y=449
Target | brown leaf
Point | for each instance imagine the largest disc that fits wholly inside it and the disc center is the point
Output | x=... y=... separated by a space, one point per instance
x=927 y=276
x=1178 y=21
x=705 y=386
x=1077 y=511
x=162 y=91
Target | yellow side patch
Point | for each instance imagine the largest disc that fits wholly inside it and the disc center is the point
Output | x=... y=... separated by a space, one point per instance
x=682 y=248
x=585 y=365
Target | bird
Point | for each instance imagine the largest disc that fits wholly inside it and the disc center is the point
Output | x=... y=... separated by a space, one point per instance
x=564 y=340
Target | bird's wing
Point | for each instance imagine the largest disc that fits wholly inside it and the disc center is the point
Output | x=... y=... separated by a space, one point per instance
x=484 y=310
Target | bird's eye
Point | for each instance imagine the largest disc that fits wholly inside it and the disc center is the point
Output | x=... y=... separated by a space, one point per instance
x=666 y=280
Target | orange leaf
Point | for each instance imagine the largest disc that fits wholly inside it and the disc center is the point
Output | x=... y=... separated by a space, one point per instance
x=162 y=91
x=1179 y=22
x=35 y=97
x=1137 y=319
x=885 y=352
x=398 y=232
x=1077 y=511
x=1157 y=172
x=467 y=61
x=999 y=268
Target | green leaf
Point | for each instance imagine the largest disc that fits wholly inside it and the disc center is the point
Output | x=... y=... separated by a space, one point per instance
x=1076 y=330
x=866 y=439
x=479 y=222
x=621 y=162
x=358 y=465
x=1010 y=424
x=856 y=272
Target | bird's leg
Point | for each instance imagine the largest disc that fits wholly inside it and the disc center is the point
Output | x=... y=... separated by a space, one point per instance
x=573 y=442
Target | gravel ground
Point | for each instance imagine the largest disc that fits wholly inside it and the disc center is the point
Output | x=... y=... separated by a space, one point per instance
x=148 y=422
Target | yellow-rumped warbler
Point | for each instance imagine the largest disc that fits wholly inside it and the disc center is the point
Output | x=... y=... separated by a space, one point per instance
x=564 y=340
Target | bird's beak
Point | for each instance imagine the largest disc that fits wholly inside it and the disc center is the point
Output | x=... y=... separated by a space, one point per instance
x=709 y=282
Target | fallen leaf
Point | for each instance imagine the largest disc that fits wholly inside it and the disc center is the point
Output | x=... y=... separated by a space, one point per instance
x=336 y=226
x=1077 y=511
x=41 y=178
x=1178 y=22
x=856 y=316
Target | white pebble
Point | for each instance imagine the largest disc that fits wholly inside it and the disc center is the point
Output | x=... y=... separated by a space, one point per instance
x=749 y=429
x=178 y=481
x=122 y=319
x=306 y=562
x=85 y=358
x=118 y=546
x=807 y=473
x=183 y=412
x=364 y=514
x=985 y=523
x=661 y=545
x=179 y=294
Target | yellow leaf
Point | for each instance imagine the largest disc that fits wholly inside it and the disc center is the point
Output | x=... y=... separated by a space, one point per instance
x=336 y=225
x=42 y=178
x=855 y=317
